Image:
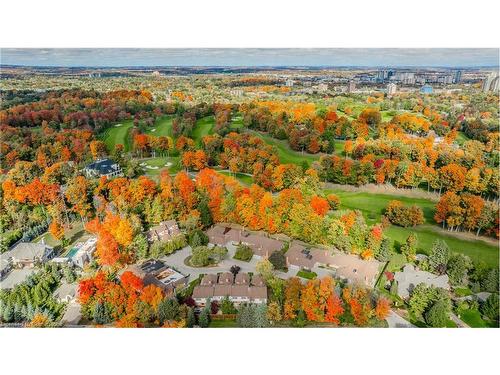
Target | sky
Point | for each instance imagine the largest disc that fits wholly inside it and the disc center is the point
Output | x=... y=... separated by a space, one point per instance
x=119 y=57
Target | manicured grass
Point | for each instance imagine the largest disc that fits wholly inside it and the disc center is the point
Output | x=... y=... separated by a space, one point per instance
x=373 y=205
x=204 y=126
x=285 y=153
x=114 y=135
x=226 y=323
x=237 y=122
x=160 y=163
x=307 y=274
x=243 y=178
x=162 y=127
x=473 y=318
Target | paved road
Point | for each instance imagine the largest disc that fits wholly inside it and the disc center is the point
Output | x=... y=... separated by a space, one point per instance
x=396 y=321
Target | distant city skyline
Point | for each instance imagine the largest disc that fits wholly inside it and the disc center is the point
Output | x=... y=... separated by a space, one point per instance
x=253 y=57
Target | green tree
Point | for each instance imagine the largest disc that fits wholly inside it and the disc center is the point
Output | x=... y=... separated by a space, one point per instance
x=168 y=309
x=102 y=315
x=409 y=248
x=457 y=269
x=385 y=251
x=261 y=320
x=227 y=306
x=437 y=315
x=204 y=319
x=490 y=307
x=490 y=281
x=278 y=260
x=191 y=318
x=197 y=238
x=439 y=256
x=205 y=215
x=140 y=246
x=243 y=252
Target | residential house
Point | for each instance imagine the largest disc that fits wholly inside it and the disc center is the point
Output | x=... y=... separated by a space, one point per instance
x=83 y=252
x=27 y=254
x=103 y=168
x=164 y=231
x=410 y=277
x=239 y=289
x=66 y=292
x=158 y=273
x=346 y=266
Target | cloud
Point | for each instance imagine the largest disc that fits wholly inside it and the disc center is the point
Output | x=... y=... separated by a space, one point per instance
x=252 y=57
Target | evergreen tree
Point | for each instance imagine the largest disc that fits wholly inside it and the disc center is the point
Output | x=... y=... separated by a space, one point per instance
x=385 y=252
x=168 y=309
x=490 y=307
x=191 y=318
x=101 y=313
x=409 y=248
x=205 y=214
x=8 y=314
x=439 y=256
x=261 y=320
x=437 y=315
x=204 y=319
x=140 y=246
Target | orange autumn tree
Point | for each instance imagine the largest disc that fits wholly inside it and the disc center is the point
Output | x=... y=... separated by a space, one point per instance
x=382 y=309
x=56 y=230
x=319 y=205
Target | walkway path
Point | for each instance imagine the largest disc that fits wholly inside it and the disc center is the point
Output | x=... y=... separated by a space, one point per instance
x=459 y=322
x=396 y=321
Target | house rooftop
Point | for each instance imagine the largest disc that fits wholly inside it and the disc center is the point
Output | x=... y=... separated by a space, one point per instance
x=103 y=166
x=16 y=277
x=27 y=250
x=410 y=277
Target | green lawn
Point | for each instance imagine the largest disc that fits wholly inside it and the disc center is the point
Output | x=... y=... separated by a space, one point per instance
x=373 y=205
x=473 y=319
x=226 y=323
x=160 y=163
x=307 y=274
x=162 y=127
x=243 y=178
x=114 y=135
x=204 y=126
x=237 y=122
x=285 y=153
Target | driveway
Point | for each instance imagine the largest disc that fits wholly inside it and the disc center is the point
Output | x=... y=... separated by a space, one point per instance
x=396 y=321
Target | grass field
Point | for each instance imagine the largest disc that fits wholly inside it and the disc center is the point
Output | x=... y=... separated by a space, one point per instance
x=162 y=127
x=243 y=178
x=473 y=319
x=160 y=163
x=204 y=126
x=223 y=324
x=373 y=205
x=237 y=122
x=114 y=135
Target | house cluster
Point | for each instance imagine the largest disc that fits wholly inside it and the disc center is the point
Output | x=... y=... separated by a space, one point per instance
x=19 y=262
x=410 y=277
x=165 y=231
x=158 y=273
x=239 y=289
x=103 y=168
x=261 y=245
x=345 y=266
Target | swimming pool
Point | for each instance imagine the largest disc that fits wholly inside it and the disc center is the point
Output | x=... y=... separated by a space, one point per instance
x=72 y=252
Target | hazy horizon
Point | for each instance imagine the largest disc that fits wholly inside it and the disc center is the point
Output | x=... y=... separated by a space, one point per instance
x=252 y=57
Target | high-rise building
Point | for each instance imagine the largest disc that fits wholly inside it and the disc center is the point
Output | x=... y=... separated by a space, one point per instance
x=351 y=87
x=391 y=89
x=490 y=83
x=457 y=77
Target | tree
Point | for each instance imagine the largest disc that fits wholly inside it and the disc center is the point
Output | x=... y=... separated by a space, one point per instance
x=56 y=230
x=265 y=268
x=439 y=256
x=107 y=249
x=102 y=315
x=457 y=268
x=490 y=307
x=243 y=252
x=490 y=281
x=197 y=238
x=278 y=260
x=409 y=248
x=274 y=312
x=205 y=214
x=204 y=319
x=437 y=315
x=227 y=306
x=140 y=246
x=168 y=309
x=382 y=309
x=191 y=318
x=384 y=253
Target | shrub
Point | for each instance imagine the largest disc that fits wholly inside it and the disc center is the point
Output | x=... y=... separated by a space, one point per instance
x=333 y=201
x=278 y=260
x=437 y=315
x=243 y=252
x=403 y=216
x=490 y=307
x=197 y=238
x=439 y=256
